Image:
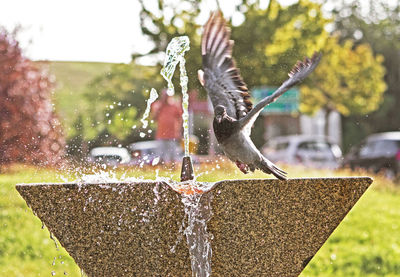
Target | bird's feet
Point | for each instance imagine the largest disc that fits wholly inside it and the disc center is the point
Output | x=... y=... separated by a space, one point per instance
x=243 y=167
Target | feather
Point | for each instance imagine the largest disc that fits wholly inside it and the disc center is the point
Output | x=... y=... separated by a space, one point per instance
x=234 y=112
x=299 y=71
x=221 y=77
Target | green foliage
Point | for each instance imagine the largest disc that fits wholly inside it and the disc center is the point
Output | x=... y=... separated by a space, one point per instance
x=71 y=79
x=169 y=19
x=349 y=80
x=119 y=102
x=375 y=23
x=270 y=41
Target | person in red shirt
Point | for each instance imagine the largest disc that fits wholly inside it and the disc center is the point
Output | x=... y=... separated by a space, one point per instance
x=167 y=112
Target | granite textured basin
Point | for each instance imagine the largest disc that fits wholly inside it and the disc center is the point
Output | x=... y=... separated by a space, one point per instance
x=259 y=227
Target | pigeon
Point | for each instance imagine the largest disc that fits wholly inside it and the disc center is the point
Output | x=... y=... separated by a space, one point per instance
x=234 y=114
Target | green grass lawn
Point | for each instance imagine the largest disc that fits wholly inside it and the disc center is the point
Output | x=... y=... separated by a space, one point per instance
x=367 y=242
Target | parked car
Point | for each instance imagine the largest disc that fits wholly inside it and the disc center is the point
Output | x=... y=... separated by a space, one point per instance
x=378 y=152
x=312 y=151
x=145 y=152
x=109 y=156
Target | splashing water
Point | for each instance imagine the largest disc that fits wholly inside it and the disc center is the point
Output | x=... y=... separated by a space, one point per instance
x=153 y=96
x=175 y=54
x=198 y=213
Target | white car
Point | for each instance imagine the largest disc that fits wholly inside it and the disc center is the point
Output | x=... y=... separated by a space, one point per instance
x=148 y=152
x=145 y=151
x=311 y=151
x=109 y=156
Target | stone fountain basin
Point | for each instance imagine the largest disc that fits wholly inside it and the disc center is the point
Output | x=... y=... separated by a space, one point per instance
x=260 y=227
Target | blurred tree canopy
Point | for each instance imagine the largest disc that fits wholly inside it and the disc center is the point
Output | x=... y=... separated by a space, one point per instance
x=375 y=23
x=29 y=129
x=269 y=42
x=113 y=115
x=169 y=19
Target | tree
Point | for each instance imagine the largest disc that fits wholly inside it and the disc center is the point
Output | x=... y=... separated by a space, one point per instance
x=169 y=19
x=270 y=41
x=350 y=80
x=119 y=104
x=375 y=23
x=29 y=129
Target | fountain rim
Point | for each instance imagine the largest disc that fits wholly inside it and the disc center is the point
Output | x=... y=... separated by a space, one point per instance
x=81 y=183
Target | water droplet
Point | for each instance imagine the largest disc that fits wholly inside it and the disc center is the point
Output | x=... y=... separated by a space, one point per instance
x=152 y=98
x=54 y=240
x=155 y=161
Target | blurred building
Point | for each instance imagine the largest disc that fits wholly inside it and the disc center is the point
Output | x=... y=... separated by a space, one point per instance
x=200 y=121
x=283 y=117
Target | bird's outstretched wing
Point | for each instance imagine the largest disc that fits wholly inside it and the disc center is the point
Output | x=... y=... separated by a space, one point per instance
x=220 y=77
x=298 y=73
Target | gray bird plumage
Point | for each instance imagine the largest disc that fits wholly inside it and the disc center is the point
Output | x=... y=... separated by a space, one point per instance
x=234 y=112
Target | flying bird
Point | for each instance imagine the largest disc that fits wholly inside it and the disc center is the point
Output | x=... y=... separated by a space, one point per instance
x=234 y=114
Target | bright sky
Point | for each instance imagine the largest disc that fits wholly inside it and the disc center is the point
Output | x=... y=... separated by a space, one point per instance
x=82 y=30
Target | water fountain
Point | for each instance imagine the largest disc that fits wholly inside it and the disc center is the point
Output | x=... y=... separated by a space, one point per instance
x=259 y=227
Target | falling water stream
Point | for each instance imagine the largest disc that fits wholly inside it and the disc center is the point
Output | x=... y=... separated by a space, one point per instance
x=198 y=212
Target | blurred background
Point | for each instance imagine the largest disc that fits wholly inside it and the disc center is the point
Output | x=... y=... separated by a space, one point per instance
x=75 y=77
x=93 y=67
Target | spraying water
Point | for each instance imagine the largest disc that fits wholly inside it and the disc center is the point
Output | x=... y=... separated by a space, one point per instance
x=175 y=54
x=152 y=98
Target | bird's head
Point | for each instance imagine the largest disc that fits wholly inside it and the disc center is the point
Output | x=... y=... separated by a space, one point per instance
x=219 y=113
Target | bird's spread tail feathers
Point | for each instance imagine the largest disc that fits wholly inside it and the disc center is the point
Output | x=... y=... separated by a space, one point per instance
x=269 y=168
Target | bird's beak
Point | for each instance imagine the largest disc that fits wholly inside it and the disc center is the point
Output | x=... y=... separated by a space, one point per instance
x=218 y=118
